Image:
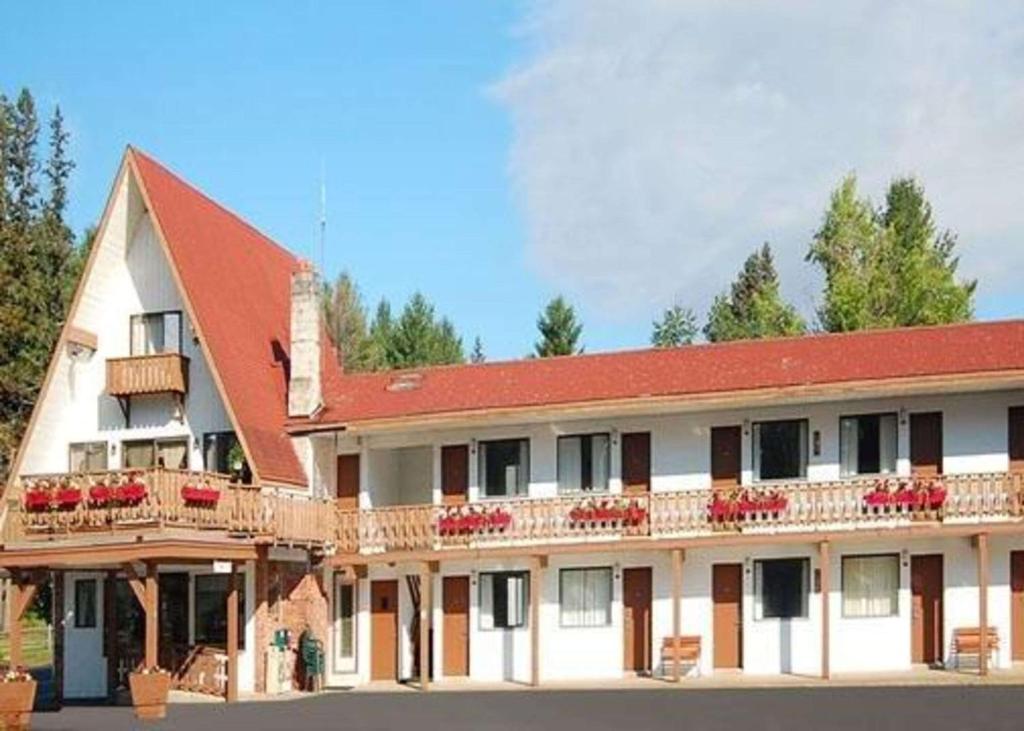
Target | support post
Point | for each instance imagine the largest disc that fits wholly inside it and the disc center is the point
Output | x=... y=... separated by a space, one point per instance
x=981 y=541
x=262 y=616
x=426 y=614
x=14 y=631
x=677 y=610
x=110 y=631
x=232 y=639
x=536 y=569
x=152 y=618
x=57 y=621
x=825 y=569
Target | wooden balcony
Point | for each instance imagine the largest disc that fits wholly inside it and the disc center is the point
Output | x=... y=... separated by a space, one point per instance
x=51 y=507
x=848 y=505
x=147 y=374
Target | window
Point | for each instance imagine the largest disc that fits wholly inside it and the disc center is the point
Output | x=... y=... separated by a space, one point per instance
x=87 y=457
x=585 y=597
x=222 y=452
x=867 y=444
x=157 y=332
x=871 y=585
x=85 y=603
x=583 y=462
x=504 y=467
x=169 y=453
x=211 y=610
x=503 y=600
x=781 y=587
x=344 y=624
x=780 y=450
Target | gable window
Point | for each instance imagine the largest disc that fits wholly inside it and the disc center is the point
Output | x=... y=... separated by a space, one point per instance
x=781 y=587
x=585 y=596
x=156 y=332
x=87 y=457
x=867 y=445
x=211 y=610
x=503 y=597
x=871 y=585
x=85 y=603
x=504 y=467
x=780 y=449
x=583 y=462
x=222 y=452
x=169 y=453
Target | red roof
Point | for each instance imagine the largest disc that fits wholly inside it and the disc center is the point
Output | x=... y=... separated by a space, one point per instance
x=238 y=282
x=696 y=370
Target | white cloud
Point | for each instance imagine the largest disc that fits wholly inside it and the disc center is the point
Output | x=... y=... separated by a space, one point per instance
x=657 y=142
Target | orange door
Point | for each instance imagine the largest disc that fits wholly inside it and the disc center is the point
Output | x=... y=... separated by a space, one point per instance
x=636 y=619
x=1015 y=438
x=727 y=597
x=926 y=608
x=926 y=443
x=1017 y=604
x=348 y=481
x=455 y=601
x=725 y=456
x=636 y=462
x=454 y=473
x=384 y=630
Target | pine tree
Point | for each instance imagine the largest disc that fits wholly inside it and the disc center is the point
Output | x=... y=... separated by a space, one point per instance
x=559 y=330
x=6 y=130
x=345 y=321
x=753 y=307
x=890 y=267
x=58 y=167
x=22 y=162
x=477 y=354
x=678 y=326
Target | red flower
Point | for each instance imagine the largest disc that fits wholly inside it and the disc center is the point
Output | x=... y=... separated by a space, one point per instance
x=37 y=500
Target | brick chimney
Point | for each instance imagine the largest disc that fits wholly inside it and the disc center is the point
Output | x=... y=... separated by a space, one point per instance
x=305 y=396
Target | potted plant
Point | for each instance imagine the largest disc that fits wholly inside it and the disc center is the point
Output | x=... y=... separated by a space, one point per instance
x=17 y=695
x=149 y=686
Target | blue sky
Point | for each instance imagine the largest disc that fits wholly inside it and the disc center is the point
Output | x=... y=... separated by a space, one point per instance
x=491 y=154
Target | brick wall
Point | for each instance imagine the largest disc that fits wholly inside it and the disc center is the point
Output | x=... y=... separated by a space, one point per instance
x=296 y=600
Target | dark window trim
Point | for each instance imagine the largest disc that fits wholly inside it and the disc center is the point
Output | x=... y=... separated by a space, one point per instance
x=525 y=575
x=81 y=616
x=558 y=461
x=155 y=442
x=154 y=313
x=72 y=445
x=842 y=583
x=561 y=595
x=754 y=446
x=481 y=475
x=839 y=442
x=240 y=579
x=810 y=589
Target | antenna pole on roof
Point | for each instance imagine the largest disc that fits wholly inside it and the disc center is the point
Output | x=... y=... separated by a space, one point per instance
x=323 y=214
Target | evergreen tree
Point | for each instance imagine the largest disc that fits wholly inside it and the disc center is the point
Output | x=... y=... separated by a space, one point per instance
x=887 y=268
x=678 y=326
x=477 y=354
x=345 y=321
x=381 y=335
x=58 y=167
x=22 y=161
x=418 y=338
x=559 y=330
x=753 y=307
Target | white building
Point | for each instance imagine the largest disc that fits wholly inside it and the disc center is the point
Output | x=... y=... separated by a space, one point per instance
x=815 y=505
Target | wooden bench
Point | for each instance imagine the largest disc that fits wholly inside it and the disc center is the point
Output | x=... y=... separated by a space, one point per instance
x=689 y=652
x=967 y=641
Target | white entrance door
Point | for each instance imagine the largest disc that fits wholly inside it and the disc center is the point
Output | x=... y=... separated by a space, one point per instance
x=85 y=667
x=343 y=637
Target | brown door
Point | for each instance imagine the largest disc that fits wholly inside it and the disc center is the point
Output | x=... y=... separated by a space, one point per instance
x=926 y=607
x=1015 y=437
x=725 y=456
x=926 y=443
x=727 y=596
x=384 y=630
x=454 y=473
x=636 y=462
x=1017 y=604
x=455 y=600
x=636 y=619
x=348 y=481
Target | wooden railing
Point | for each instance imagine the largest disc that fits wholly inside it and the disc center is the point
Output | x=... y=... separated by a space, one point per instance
x=141 y=374
x=61 y=504
x=831 y=506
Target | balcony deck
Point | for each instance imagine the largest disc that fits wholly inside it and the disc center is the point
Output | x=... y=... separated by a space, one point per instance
x=147 y=374
x=794 y=508
x=128 y=502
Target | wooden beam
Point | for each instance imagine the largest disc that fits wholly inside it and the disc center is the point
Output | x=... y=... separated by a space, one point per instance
x=26 y=595
x=57 y=622
x=110 y=629
x=14 y=631
x=57 y=554
x=825 y=569
x=232 y=610
x=981 y=542
x=426 y=614
x=151 y=606
x=262 y=615
x=677 y=610
x=136 y=584
x=536 y=574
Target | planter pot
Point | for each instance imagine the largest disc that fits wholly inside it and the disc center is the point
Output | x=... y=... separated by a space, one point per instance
x=149 y=694
x=16 y=701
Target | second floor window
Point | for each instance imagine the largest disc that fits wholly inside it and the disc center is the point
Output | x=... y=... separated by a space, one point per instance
x=780 y=450
x=169 y=453
x=504 y=467
x=867 y=445
x=87 y=457
x=222 y=452
x=583 y=462
x=156 y=332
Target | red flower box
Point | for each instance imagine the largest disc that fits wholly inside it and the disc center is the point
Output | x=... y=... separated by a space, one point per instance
x=68 y=497
x=206 y=496
x=131 y=494
x=37 y=500
x=629 y=514
x=100 y=494
x=908 y=494
x=474 y=522
x=738 y=507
